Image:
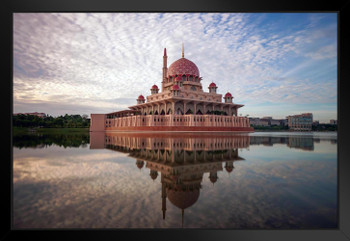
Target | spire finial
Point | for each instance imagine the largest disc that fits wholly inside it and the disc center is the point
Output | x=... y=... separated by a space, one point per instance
x=183 y=214
x=183 y=51
x=164 y=51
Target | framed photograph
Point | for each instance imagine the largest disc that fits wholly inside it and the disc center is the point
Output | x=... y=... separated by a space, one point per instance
x=185 y=121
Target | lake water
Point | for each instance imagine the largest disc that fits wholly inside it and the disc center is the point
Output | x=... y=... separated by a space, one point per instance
x=262 y=180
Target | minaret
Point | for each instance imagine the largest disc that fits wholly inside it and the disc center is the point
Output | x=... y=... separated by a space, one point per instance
x=165 y=69
x=163 y=196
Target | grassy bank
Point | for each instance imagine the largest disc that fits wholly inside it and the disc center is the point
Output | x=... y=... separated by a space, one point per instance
x=24 y=130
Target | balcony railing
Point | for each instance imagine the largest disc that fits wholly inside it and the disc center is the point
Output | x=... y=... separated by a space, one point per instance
x=179 y=120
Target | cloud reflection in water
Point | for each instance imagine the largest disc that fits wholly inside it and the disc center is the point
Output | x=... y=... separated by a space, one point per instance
x=103 y=188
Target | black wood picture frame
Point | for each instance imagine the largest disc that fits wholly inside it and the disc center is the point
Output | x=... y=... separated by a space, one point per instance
x=8 y=7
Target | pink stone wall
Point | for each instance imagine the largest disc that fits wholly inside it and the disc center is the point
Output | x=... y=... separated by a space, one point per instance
x=180 y=128
x=97 y=122
x=179 y=120
x=97 y=140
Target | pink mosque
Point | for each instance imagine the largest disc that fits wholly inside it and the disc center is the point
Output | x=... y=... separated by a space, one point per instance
x=181 y=105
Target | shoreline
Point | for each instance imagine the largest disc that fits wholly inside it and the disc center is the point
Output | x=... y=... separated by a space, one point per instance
x=70 y=130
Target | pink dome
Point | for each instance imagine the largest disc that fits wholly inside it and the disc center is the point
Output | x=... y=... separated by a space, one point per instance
x=228 y=94
x=139 y=164
x=141 y=97
x=212 y=84
x=183 y=66
x=213 y=179
x=229 y=169
x=175 y=87
x=183 y=199
x=154 y=175
x=155 y=87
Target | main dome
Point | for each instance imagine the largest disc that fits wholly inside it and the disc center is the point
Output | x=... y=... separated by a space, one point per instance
x=183 y=66
x=183 y=199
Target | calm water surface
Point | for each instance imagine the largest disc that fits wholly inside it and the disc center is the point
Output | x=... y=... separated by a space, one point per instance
x=259 y=180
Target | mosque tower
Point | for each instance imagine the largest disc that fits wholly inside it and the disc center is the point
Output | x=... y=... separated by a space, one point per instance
x=163 y=195
x=165 y=68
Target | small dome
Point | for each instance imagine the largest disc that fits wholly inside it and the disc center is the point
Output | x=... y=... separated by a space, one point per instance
x=212 y=84
x=139 y=164
x=229 y=168
x=155 y=87
x=213 y=179
x=175 y=87
x=228 y=94
x=153 y=174
x=141 y=97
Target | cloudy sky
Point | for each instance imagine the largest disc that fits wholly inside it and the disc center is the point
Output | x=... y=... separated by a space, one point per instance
x=276 y=64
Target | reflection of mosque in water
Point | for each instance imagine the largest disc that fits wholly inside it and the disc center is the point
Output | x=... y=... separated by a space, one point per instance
x=181 y=159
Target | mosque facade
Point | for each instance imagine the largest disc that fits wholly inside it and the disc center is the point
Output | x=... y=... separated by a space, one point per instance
x=180 y=105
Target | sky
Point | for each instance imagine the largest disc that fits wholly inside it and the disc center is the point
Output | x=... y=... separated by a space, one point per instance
x=275 y=64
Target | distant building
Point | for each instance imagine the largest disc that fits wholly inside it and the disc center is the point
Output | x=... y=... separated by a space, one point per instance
x=283 y=122
x=255 y=121
x=41 y=115
x=301 y=122
x=333 y=122
x=315 y=123
x=267 y=121
x=274 y=122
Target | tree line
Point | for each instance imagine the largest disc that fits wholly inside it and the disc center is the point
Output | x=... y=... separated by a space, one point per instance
x=66 y=121
x=43 y=140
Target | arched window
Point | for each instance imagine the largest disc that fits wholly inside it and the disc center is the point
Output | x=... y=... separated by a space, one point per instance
x=183 y=77
x=189 y=111
x=190 y=78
